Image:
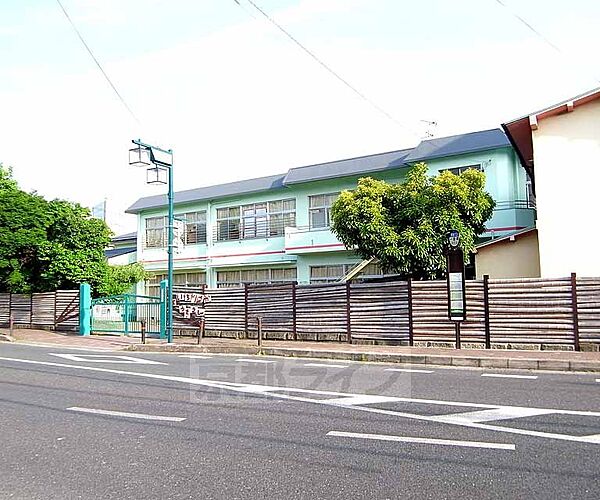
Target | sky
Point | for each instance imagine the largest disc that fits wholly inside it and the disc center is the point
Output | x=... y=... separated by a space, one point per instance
x=235 y=99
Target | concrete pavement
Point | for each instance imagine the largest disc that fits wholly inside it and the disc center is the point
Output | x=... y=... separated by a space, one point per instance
x=474 y=358
x=256 y=427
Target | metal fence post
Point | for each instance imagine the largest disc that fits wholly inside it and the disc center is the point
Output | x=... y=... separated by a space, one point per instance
x=575 y=308
x=294 y=327
x=348 y=317
x=410 y=312
x=126 y=315
x=85 y=309
x=246 y=309
x=486 y=311
x=201 y=330
x=259 y=330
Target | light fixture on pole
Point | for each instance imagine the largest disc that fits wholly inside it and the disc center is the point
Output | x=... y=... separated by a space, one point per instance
x=160 y=162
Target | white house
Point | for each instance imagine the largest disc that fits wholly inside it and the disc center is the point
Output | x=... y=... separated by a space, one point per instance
x=559 y=146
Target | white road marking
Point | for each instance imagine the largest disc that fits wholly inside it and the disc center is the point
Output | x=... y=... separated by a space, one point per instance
x=142 y=416
x=408 y=370
x=106 y=358
x=325 y=365
x=69 y=347
x=277 y=392
x=247 y=360
x=598 y=380
x=362 y=399
x=502 y=413
x=502 y=375
x=441 y=442
x=194 y=356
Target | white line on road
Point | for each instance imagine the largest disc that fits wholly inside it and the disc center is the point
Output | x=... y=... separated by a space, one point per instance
x=276 y=392
x=106 y=358
x=500 y=375
x=194 y=356
x=441 y=442
x=246 y=360
x=142 y=416
x=361 y=399
x=325 y=365
x=408 y=370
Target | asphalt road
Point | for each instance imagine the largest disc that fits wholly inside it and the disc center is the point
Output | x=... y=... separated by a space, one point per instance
x=93 y=424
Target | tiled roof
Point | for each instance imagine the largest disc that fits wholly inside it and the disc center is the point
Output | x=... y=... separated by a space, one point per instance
x=115 y=252
x=458 y=144
x=428 y=149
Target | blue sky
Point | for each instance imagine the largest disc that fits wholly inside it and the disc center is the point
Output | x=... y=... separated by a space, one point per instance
x=235 y=99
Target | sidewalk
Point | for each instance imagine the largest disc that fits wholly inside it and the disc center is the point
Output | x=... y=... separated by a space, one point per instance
x=493 y=358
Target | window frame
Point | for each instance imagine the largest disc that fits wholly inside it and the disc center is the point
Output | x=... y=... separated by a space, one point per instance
x=324 y=208
x=255 y=220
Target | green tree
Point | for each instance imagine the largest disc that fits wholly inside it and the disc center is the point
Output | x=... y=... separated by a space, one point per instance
x=405 y=225
x=49 y=245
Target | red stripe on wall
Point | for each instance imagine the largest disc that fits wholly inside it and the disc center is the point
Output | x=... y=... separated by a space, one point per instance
x=329 y=245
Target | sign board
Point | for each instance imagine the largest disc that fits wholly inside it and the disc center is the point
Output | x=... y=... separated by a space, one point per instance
x=189 y=307
x=457 y=310
x=178 y=235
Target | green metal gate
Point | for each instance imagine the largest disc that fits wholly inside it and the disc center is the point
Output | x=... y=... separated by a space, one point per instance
x=125 y=314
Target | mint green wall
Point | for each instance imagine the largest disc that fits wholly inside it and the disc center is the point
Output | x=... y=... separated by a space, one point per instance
x=505 y=180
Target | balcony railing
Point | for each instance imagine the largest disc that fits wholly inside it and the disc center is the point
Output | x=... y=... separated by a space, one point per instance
x=515 y=204
x=232 y=230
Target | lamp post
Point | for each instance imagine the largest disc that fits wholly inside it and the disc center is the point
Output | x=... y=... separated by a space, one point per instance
x=158 y=162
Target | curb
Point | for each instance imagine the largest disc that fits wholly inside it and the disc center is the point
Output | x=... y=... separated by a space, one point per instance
x=440 y=360
x=194 y=348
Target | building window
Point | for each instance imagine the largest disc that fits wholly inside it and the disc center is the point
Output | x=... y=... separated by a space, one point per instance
x=188 y=280
x=237 y=278
x=460 y=170
x=334 y=272
x=194 y=233
x=319 y=210
x=195 y=227
x=155 y=232
x=256 y=220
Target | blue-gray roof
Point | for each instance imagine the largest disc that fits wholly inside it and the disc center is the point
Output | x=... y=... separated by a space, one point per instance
x=428 y=149
x=458 y=144
x=348 y=167
x=211 y=192
x=115 y=252
x=125 y=237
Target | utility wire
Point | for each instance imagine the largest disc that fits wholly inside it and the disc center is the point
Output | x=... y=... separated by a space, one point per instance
x=98 y=63
x=326 y=67
x=537 y=33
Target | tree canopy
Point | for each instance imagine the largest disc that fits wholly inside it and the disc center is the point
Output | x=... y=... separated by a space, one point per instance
x=50 y=245
x=405 y=226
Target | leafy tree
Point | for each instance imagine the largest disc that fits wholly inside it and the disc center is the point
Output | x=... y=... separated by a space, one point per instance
x=47 y=245
x=405 y=226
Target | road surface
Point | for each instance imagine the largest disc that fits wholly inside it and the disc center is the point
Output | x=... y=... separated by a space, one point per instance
x=100 y=424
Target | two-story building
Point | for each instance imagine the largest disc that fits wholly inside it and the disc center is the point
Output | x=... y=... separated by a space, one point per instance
x=277 y=228
x=559 y=146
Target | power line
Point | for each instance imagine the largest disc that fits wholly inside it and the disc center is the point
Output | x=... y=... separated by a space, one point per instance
x=326 y=67
x=537 y=33
x=98 y=63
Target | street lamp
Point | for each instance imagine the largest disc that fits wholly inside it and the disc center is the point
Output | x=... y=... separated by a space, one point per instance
x=159 y=164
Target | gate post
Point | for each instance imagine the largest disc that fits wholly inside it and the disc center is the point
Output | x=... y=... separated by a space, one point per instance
x=163 y=309
x=85 y=309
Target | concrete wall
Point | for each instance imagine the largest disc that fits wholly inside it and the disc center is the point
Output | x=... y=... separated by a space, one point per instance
x=510 y=259
x=567 y=176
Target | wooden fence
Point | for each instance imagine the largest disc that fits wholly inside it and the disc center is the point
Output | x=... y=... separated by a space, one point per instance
x=54 y=310
x=562 y=311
